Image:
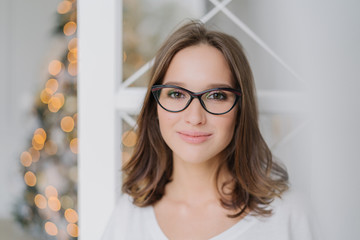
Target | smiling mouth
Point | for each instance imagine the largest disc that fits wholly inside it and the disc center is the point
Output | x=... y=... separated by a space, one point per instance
x=194 y=137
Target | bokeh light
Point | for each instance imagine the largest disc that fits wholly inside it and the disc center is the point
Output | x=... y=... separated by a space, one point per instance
x=55 y=67
x=125 y=157
x=71 y=215
x=45 y=95
x=40 y=201
x=67 y=124
x=129 y=138
x=30 y=178
x=72 y=45
x=54 y=204
x=56 y=102
x=52 y=85
x=72 y=57
x=50 y=191
x=74 y=145
x=35 y=154
x=72 y=229
x=72 y=69
x=26 y=159
x=51 y=229
x=64 y=7
x=69 y=28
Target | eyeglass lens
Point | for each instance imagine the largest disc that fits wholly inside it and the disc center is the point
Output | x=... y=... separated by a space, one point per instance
x=215 y=101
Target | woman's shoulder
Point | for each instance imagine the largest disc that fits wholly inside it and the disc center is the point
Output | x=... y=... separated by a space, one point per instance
x=126 y=220
x=291 y=217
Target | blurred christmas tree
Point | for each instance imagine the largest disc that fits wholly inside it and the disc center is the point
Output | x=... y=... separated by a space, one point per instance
x=48 y=206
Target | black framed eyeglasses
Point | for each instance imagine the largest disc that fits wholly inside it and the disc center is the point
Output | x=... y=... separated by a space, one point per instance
x=216 y=101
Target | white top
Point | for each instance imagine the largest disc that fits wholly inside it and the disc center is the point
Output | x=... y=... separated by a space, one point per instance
x=289 y=221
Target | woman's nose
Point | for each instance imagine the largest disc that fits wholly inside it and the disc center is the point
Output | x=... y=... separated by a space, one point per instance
x=195 y=114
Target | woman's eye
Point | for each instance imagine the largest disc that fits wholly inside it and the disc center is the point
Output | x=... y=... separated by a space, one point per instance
x=175 y=94
x=216 y=95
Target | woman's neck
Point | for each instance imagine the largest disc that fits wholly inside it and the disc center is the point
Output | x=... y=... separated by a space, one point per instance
x=193 y=183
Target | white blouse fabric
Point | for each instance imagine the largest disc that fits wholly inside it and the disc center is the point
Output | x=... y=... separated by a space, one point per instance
x=289 y=221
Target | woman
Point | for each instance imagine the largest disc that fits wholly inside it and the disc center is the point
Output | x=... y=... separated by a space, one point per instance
x=200 y=168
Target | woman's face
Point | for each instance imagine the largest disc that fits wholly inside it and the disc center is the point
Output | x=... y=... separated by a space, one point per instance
x=193 y=134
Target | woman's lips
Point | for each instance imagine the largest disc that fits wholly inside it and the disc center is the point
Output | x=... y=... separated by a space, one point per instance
x=194 y=137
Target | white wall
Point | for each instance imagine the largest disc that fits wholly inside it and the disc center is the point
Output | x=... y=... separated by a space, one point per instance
x=320 y=39
x=26 y=42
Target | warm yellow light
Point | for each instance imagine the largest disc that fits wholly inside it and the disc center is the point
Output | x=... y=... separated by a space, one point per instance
x=45 y=95
x=56 y=102
x=72 y=229
x=125 y=157
x=36 y=145
x=50 y=191
x=67 y=202
x=55 y=67
x=30 y=178
x=51 y=229
x=41 y=132
x=70 y=28
x=71 y=215
x=72 y=69
x=61 y=97
x=67 y=124
x=64 y=7
x=72 y=57
x=51 y=147
x=74 y=145
x=40 y=201
x=26 y=159
x=75 y=117
x=39 y=139
x=129 y=138
x=35 y=154
x=54 y=204
x=52 y=85
x=72 y=45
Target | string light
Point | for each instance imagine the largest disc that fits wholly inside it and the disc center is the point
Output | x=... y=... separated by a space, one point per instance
x=72 y=229
x=26 y=159
x=45 y=95
x=55 y=67
x=72 y=57
x=51 y=228
x=72 y=45
x=35 y=154
x=67 y=124
x=30 y=178
x=40 y=201
x=52 y=85
x=56 y=102
x=50 y=191
x=129 y=138
x=64 y=7
x=69 y=28
x=54 y=204
x=74 y=145
x=71 y=215
x=72 y=68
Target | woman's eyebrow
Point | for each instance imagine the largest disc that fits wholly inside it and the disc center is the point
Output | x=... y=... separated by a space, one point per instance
x=209 y=86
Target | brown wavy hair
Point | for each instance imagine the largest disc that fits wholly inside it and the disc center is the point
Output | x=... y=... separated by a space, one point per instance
x=255 y=178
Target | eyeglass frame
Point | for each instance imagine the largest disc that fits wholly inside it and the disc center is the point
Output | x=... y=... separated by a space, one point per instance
x=197 y=95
